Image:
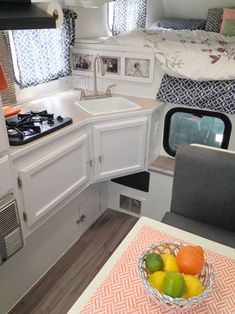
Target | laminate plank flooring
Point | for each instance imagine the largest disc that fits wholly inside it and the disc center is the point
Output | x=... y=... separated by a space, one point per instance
x=57 y=291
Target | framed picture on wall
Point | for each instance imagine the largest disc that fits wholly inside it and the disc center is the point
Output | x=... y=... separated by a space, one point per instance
x=118 y=65
x=82 y=62
x=112 y=65
x=135 y=67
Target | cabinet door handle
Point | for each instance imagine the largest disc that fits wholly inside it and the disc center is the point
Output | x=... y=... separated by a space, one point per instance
x=90 y=162
x=100 y=158
x=81 y=219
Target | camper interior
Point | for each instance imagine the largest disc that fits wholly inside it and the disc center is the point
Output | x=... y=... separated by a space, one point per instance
x=117 y=133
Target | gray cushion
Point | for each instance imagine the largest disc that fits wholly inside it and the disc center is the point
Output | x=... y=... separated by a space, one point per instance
x=204 y=186
x=216 y=234
x=176 y=23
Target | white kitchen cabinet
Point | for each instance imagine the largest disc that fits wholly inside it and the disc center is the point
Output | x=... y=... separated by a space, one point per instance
x=5 y=177
x=50 y=179
x=89 y=211
x=119 y=147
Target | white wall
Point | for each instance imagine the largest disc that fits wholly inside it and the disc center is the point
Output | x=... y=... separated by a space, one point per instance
x=193 y=8
x=155 y=11
x=91 y=23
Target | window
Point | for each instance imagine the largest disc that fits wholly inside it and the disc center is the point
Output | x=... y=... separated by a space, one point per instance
x=127 y=15
x=188 y=126
x=42 y=55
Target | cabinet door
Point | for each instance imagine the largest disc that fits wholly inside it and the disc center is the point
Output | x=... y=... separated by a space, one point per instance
x=6 y=183
x=49 y=180
x=119 y=147
x=89 y=211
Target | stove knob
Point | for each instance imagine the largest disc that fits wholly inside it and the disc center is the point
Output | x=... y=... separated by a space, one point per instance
x=59 y=118
x=50 y=122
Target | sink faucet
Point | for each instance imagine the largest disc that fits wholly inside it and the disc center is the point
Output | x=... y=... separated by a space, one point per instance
x=83 y=96
x=97 y=58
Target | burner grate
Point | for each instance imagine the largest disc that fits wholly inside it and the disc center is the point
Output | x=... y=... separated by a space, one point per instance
x=32 y=125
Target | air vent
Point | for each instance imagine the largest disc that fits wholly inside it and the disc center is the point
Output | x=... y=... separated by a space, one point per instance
x=13 y=242
x=130 y=204
x=8 y=215
x=11 y=239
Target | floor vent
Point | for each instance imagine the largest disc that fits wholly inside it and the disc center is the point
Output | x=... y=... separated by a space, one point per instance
x=130 y=204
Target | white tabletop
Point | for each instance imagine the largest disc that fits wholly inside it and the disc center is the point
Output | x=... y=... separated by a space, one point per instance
x=194 y=239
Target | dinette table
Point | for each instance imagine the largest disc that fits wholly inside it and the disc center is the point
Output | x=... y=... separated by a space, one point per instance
x=117 y=288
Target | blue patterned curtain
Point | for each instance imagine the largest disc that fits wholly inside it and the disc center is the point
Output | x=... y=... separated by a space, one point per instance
x=44 y=55
x=213 y=95
x=128 y=15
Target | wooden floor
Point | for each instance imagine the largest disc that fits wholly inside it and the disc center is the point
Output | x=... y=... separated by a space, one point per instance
x=57 y=291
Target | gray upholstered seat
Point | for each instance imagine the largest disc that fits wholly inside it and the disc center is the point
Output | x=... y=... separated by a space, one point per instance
x=203 y=195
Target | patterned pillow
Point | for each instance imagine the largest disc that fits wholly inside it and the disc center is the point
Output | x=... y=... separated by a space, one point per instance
x=229 y=14
x=229 y=28
x=214 y=20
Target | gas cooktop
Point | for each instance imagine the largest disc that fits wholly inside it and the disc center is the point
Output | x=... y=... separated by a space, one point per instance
x=27 y=127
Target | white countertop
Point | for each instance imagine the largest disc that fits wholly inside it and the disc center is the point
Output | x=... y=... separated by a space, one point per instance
x=194 y=239
x=63 y=103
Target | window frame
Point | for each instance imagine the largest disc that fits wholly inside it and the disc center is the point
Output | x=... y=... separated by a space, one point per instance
x=199 y=113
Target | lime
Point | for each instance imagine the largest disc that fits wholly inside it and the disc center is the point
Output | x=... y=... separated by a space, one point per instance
x=156 y=280
x=193 y=286
x=153 y=262
x=173 y=284
x=169 y=263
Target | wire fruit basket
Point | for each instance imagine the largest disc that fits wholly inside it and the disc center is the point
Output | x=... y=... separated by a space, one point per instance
x=206 y=277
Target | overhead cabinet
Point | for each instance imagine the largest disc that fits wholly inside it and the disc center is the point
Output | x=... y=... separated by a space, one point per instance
x=119 y=147
x=49 y=180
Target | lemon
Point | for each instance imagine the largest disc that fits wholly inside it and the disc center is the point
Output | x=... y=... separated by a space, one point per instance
x=173 y=284
x=156 y=280
x=153 y=262
x=193 y=286
x=169 y=263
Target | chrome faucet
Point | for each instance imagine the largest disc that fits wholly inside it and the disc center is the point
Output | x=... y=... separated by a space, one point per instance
x=83 y=96
x=97 y=58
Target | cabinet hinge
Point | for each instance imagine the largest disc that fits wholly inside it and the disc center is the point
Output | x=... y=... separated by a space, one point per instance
x=19 y=182
x=25 y=217
x=90 y=163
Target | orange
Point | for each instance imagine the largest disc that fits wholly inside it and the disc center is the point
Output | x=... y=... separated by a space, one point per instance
x=190 y=259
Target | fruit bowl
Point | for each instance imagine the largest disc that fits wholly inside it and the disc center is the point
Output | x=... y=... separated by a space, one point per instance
x=206 y=276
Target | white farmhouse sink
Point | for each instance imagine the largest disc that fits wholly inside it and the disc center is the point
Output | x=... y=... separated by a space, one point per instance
x=107 y=105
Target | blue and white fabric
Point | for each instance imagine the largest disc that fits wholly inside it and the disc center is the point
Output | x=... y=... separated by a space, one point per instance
x=128 y=15
x=214 y=95
x=43 y=55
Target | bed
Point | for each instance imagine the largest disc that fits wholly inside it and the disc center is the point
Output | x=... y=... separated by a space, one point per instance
x=196 y=55
x=197 y=64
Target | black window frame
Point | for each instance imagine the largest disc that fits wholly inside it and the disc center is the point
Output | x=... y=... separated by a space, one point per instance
x=199 y=113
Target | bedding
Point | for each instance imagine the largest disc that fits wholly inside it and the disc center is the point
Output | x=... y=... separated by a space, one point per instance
x=214 y=95
x=195 y=55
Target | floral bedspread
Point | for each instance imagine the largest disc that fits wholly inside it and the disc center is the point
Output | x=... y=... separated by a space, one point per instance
x=195 y=55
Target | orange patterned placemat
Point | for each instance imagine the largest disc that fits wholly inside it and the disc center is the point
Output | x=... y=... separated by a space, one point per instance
x=122 y=291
